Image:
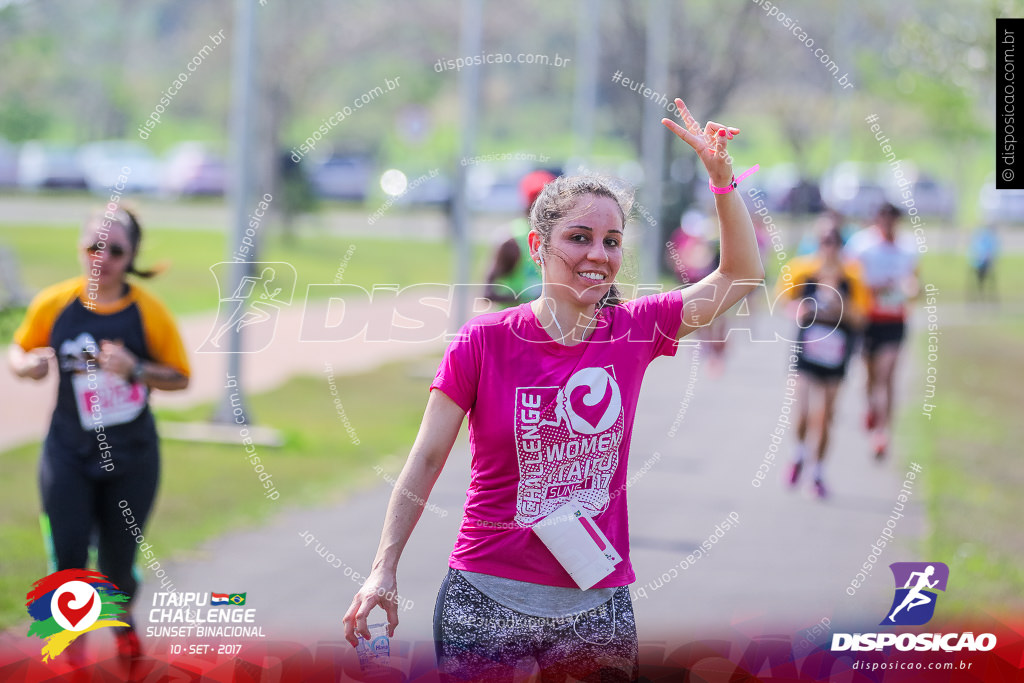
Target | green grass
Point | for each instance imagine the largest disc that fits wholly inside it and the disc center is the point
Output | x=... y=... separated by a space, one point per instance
x=47 y=255
x=10 y=318
x=968 y=450
x=208 y=489
x=950 y=273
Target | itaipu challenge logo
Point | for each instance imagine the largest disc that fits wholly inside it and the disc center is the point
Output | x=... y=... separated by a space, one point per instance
x=68 y=603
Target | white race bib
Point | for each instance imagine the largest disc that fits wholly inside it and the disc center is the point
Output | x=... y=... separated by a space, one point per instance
x=890 y=300
x=827 y=346
x=578 y=544
x=106 y=399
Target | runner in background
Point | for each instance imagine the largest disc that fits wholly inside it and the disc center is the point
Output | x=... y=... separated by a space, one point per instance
x=809 y=242
x=829 y=300
x=514 y=278
x=890 y=271
x=983 y=251
x=113 y=342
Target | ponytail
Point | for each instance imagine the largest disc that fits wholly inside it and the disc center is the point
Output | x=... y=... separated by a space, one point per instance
x=135 y=237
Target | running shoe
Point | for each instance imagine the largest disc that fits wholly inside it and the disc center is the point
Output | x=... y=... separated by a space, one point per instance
x=819 y=489
x=880 y=446
x=128 y=646
x=794 y=472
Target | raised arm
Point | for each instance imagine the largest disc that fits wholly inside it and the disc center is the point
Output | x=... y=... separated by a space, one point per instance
x=740 y=269
x=438 y=430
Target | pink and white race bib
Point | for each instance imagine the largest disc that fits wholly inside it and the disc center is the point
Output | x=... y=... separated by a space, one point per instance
x=104 y=399
x=826 y=346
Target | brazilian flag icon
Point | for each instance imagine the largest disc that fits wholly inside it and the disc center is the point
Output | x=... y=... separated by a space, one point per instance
x=237 y=598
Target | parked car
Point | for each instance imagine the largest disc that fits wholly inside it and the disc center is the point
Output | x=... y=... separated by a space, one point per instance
x=426 y=189
x=105 y=161
x=787 y=190
x=8 y=164
x=43 y=164
x=1001 y=206
x=853 y=189
x=342 y=176
x=494 y=187
x=931 y=197
x=193 y=169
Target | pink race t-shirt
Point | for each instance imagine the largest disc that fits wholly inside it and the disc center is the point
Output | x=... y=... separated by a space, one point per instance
x=549 y=423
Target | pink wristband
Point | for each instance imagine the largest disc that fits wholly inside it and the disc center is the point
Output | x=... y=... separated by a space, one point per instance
x=735 y=181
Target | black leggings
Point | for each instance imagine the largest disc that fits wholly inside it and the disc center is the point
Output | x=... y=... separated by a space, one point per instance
x=76 y=505
x=479 y=639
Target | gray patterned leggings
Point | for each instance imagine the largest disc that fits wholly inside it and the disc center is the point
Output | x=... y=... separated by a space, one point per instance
x=478 y=639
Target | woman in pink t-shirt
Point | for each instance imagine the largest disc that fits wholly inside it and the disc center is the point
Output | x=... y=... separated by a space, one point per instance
x=550 y=389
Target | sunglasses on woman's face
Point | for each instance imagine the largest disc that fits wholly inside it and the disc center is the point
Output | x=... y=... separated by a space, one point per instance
x=113 y=250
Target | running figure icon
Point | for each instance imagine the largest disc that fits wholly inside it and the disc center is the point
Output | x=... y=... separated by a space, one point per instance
x=916 y=597
x=253 y=304
x=561 y=413
x=249 y=313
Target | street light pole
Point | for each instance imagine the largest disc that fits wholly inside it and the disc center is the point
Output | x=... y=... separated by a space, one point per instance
x=469 y=96
x=653 y=134
x=585 y=100
x=242 y=107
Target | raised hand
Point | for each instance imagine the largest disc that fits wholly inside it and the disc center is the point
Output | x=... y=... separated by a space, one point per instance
x=709 y=143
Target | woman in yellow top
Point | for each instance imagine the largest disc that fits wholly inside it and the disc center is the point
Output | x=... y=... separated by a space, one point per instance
x=113 y=342
x=830 y=300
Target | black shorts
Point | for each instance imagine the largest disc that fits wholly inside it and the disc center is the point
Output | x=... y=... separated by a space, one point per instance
x=879 y=334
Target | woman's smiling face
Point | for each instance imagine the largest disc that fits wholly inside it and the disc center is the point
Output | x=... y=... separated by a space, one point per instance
x=585 y=250
x=107 y=265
